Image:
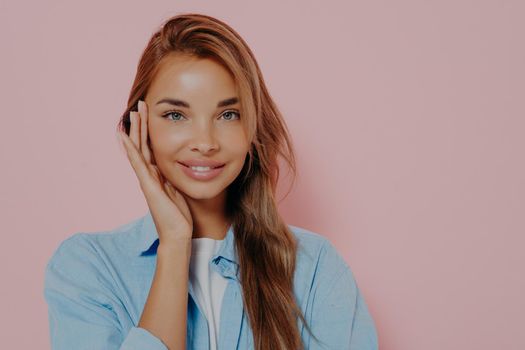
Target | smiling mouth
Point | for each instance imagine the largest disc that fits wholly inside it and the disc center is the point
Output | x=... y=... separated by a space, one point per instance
x=202 y=173
x=202 y=168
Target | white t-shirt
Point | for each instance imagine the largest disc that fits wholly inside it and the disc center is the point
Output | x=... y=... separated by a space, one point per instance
x=208 y=285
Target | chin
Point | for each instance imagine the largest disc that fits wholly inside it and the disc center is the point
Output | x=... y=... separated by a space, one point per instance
x=201 y=191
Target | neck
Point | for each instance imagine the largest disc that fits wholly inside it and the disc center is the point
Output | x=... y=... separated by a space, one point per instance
x=209 y=217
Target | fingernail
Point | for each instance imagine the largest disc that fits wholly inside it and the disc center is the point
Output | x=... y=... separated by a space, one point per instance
x=141 y=104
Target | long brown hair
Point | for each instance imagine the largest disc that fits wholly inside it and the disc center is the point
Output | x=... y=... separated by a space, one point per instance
x=264 y=243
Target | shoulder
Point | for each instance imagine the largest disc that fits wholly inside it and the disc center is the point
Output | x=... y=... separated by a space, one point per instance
x=316 y=246
x=89 y=267
x=82 y=251
x=329 y=296
x=317 y=256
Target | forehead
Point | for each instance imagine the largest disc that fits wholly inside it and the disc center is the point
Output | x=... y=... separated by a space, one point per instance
x=188 y=77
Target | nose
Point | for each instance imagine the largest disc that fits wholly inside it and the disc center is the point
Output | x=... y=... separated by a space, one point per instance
x=204 y=139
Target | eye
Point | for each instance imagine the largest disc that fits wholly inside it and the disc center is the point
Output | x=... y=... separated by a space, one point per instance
x=234 y=112
x=177 y=115
x=165 y=115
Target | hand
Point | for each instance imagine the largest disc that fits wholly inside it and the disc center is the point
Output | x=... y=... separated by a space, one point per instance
x=168 y=207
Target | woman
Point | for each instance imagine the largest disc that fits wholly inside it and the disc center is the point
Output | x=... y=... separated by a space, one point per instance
x=212 y=264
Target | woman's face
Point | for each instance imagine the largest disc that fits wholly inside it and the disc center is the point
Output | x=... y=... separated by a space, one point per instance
x=204 y=125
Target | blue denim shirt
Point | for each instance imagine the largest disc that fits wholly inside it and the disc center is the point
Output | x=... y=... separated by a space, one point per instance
x=96 y=285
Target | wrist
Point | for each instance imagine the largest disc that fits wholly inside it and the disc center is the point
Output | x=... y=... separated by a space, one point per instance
x=175 y=248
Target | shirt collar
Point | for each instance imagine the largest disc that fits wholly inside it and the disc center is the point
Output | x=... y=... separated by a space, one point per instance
x=148 y=240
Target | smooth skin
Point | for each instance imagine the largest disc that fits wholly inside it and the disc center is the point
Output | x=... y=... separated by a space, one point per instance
x=202 y=131
x=183 y=208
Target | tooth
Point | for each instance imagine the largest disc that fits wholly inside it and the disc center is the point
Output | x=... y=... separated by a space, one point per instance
x=200 y=168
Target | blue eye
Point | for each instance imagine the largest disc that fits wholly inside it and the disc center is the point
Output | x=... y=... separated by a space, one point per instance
x=170 y=113
x=234 y=112
x=165 y=115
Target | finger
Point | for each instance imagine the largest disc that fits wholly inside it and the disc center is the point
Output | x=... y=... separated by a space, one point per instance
x=170 y=190
x=143 y=110
x=120 y=142
x=159 y=173
x=135 y=159
x=178 y=199
x=134 y=129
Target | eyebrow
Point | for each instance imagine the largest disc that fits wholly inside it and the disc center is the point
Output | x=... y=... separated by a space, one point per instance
x=180 y=103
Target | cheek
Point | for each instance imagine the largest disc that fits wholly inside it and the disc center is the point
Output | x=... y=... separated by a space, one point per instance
x=236 y=140
x=165 y=144
x=238 y=150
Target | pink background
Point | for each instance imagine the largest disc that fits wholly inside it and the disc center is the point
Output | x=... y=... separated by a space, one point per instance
x=408 y=119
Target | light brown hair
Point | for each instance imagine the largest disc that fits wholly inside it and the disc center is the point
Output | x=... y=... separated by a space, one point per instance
x=264 y=244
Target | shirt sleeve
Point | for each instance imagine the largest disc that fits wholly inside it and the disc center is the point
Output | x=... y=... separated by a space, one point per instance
x=81 y=306
x=340 y=318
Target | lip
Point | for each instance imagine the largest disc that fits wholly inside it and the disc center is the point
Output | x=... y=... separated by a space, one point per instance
x=201 y=175
x=201 y=162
